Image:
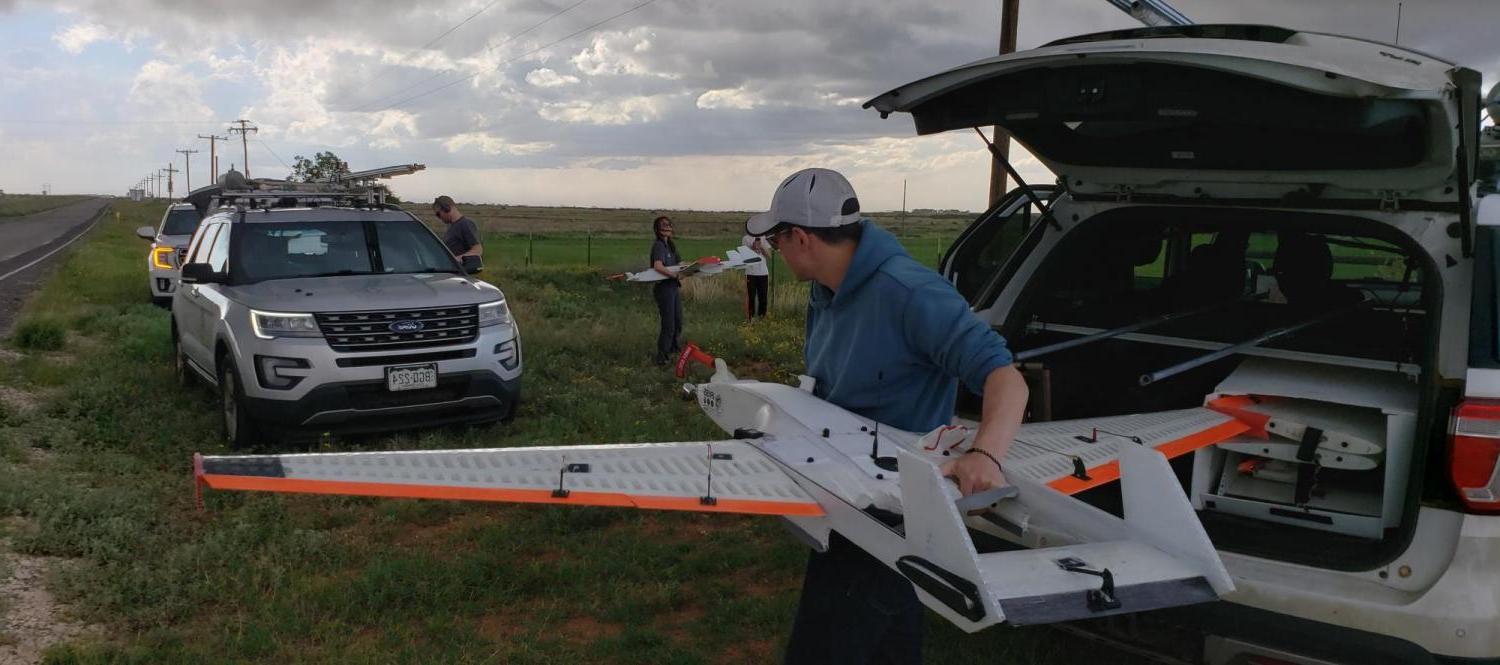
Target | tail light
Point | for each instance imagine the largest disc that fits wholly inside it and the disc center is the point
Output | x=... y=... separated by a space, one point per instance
x=161 y=257
x=1473 y=453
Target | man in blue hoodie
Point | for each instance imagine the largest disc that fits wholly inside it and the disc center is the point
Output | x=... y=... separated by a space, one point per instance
x=888 y=339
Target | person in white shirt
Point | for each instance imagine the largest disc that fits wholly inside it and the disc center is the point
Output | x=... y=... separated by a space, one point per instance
x=757 y=277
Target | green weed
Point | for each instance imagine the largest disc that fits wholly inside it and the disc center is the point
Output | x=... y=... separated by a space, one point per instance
x=40 y=334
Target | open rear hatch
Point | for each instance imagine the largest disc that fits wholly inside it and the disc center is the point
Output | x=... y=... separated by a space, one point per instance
x=1221 y=112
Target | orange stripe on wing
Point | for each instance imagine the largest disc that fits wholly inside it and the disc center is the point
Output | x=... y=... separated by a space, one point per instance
x=399 y=490
x=1238 y=406
x=1110 y=472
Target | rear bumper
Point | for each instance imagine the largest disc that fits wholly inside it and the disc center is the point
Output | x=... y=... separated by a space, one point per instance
x=365 y=406
x=1438 y=603
x=1227 y=633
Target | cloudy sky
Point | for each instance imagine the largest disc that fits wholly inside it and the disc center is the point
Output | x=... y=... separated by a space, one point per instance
x=663 y=104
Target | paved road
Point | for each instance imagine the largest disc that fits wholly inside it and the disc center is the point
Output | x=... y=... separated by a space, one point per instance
x=25 y=239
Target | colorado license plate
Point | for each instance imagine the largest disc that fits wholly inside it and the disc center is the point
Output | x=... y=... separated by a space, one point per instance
x=411 y=377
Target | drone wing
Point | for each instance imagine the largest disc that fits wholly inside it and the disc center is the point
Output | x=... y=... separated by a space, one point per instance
x=708 y=265
x=709 y=476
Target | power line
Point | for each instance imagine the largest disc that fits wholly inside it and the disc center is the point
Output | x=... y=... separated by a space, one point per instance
x=487 y=50
x=24 y=121
x=523 y=55
x=273 y=153
x=449 y=31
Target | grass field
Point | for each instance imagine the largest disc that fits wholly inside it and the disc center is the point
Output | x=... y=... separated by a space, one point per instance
x=16 y=205
x=615 y=240
x=95 y=442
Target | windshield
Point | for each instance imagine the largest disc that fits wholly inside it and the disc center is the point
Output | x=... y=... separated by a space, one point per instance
x=318 y=249
x=181 y=222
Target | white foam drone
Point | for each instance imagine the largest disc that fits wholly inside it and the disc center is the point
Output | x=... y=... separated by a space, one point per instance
x=738 y=259
x=821 y=468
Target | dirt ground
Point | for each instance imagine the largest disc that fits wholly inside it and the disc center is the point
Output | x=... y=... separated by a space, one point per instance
x=30 y=618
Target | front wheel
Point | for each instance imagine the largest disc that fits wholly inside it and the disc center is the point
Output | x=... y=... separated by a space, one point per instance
x=240 y=429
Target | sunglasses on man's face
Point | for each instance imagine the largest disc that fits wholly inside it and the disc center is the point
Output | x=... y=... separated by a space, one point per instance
x=775 y=238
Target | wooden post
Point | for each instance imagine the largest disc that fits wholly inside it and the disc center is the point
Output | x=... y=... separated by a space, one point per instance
x=588 y=256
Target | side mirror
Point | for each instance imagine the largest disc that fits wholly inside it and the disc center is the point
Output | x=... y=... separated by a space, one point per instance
x=472 y=265
x=201 y=273
x=146 y=232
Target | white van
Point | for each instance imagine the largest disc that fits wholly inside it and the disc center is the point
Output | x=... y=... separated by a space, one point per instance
x=1282 y=225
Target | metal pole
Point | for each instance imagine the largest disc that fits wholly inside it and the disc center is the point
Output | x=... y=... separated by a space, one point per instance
x=1152 y=377
x=1115 y=332
x=1010 y=15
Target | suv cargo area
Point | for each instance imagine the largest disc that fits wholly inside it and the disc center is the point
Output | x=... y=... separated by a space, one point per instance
x=1323 y=475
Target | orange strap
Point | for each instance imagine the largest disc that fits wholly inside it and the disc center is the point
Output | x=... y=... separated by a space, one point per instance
x=578 y=498
x=1237 y=406
x=1107 y=473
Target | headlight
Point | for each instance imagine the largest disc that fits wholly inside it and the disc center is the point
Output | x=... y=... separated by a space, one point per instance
x=161 y=257
x=270 y=325
x=494 y=313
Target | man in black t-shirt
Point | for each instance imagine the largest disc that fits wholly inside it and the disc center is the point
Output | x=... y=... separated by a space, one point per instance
x=462 y=235
x=666 y=292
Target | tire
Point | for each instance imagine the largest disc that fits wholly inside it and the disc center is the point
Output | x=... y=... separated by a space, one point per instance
x=241 y=431
x=180 y=369
x=164 y=302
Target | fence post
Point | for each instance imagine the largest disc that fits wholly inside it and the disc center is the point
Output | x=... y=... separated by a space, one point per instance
x=771 y=286
x=588 y=256
x=530 y=247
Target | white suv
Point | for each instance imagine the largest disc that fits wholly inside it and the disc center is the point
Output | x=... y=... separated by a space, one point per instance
x=314 y=315
x=1282 y=225
x=168 y=244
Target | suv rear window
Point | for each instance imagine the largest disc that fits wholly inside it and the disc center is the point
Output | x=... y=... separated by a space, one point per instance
x=1232 y=276
x=284 y=250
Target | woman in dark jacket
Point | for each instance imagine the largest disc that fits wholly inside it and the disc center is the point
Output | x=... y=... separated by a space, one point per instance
x=668 y=291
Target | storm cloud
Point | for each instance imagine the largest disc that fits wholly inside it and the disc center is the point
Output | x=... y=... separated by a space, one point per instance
x=673 y=82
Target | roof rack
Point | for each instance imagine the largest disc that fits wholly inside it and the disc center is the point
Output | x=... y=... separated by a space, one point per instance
x=359 y=189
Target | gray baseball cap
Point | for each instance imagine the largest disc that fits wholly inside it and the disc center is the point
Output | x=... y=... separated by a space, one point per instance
x=812 y=198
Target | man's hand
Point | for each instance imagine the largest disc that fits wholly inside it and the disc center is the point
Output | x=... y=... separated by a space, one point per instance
x=974 y=472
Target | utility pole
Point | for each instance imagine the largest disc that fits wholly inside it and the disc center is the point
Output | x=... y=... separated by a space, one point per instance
x=1010 y=15
x=160 y=178
x=244 y=129
x=170 y=170
x=187 y=167
x=213 y=156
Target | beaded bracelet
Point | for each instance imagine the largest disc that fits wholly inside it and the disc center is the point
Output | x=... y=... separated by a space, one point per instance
x=986 y=453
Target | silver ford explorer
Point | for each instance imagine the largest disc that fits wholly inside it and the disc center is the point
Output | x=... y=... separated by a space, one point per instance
x=317 y=315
